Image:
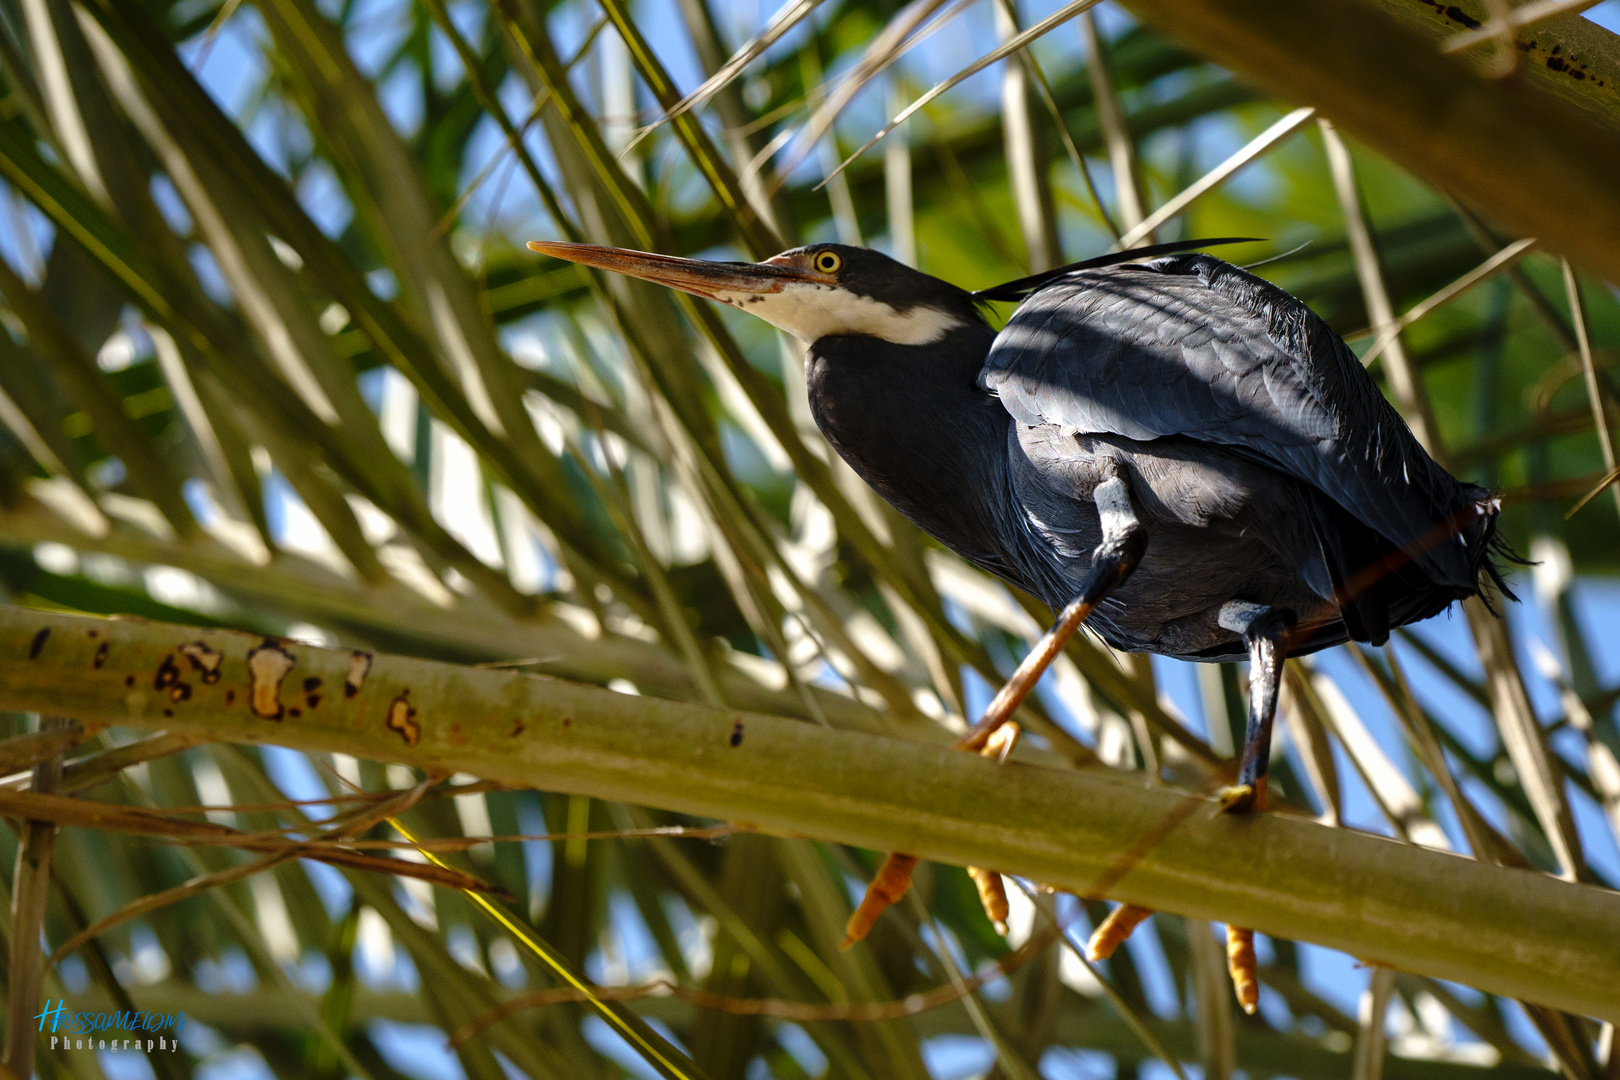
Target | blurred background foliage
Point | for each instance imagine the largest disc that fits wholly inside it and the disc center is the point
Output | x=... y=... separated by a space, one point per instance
x=274 y=357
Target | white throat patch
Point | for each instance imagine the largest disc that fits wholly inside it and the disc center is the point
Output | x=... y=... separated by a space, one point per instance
x=810 y=311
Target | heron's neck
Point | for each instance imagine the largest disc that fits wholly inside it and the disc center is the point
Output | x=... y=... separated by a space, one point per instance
x=913 y=423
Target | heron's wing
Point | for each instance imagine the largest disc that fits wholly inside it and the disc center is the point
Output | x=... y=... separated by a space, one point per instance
x=1194 y=347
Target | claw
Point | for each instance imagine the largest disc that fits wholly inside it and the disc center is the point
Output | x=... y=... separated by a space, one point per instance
x=1242 y=798
x=999 y=745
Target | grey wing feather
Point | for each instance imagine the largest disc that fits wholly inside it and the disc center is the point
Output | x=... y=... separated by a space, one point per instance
x=1193 y=346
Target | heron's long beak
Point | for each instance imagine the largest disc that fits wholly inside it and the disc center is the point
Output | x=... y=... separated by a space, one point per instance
x=712 y=280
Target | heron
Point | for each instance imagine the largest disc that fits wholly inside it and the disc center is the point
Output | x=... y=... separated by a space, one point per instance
x=1175 y=453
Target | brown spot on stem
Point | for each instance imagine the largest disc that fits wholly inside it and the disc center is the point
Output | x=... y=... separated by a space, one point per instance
x=101 y=655
x=517 y=729
x=268 y=663
x=168 y=712
x=167 y=674
x=312 y=701
x=129 y=680
x=359 y=668
x=295 y=712
x=312 y=683
x=230 y=697
x=180 y=692
x=736 y=733
x=205 y=660
x=1459 y=15
x=38 y=644
x=402 y=718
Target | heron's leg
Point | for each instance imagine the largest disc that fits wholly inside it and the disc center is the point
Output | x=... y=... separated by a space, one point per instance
x=1265 y=631
x=1123 y=542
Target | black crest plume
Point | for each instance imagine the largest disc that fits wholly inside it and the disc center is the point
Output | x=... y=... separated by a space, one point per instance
x=1017 y=290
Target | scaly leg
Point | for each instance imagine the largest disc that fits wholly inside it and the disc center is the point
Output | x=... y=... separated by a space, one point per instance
x=1265 y=631
x=1123 y=541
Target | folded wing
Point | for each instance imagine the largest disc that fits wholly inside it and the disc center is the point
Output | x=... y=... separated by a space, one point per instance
x=1191 y=346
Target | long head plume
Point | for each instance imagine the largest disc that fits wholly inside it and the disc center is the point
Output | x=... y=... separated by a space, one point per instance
x=1017 y=290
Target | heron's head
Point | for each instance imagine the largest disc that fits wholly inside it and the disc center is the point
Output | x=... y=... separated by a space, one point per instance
x=811 y=292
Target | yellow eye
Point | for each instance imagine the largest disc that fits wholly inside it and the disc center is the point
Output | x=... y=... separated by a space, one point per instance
x=827 y=262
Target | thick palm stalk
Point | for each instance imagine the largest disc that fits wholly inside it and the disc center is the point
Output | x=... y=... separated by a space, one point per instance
x=1512 y=932
x=1432 y=114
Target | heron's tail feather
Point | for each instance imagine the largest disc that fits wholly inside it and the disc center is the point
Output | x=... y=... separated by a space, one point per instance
x=1491 y=549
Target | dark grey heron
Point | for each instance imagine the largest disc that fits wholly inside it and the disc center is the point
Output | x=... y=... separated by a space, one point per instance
x=1176 y=449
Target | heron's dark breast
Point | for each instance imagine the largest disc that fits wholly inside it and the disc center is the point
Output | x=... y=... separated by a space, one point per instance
x=929 y=442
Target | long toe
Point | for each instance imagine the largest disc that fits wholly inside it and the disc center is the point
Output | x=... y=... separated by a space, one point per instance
x=1242 y=966
x=887 y=887
x=1112 y=931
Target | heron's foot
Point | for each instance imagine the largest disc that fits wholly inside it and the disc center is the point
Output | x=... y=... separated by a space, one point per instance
x=1242 y=798
x=888 y=886
x=992 y=891
x=893 y=878
x=1112 y=931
